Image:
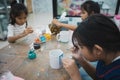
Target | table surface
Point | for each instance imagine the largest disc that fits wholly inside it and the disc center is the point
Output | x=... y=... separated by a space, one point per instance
x=14 y=58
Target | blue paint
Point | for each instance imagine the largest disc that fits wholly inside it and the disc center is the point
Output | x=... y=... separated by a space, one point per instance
x=42 y=39
x=31 y=54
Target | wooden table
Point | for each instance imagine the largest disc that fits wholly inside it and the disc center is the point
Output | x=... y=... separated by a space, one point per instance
x=16 y=60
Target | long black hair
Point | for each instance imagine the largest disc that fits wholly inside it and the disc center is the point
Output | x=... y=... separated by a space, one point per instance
x=98 y=29
x=91 y=7
x=16 y=10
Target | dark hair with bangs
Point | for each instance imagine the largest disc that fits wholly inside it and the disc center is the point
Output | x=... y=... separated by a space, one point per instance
x=98 y=29
x=16 y=10
x=91 y=7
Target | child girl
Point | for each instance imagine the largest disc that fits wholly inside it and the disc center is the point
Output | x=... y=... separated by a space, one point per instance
x=87 y=8
x=97 y=39
x=17 y=28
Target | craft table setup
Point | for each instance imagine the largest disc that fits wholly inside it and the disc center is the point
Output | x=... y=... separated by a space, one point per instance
x=14 y=57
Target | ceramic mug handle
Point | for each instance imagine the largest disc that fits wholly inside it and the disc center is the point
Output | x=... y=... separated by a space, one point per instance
x=58 y=37
x=60 y=58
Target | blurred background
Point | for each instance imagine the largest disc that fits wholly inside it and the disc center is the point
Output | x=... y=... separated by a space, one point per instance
x=41 y=12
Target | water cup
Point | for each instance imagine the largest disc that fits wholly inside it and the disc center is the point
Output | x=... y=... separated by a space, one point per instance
x=63 y=36
x=55 y=58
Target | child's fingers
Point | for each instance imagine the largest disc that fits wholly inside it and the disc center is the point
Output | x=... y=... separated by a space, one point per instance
x=67 y=61
x=30 y=31
x=29 y=28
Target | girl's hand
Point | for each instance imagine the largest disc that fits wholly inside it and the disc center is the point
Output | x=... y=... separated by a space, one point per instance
x=77 y=55
x=70 y=66
x=56 y=22
x=28 y=30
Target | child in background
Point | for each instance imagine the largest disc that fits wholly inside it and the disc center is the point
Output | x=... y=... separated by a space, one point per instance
x=17 y=29
x=96 y=39
x=87 y=8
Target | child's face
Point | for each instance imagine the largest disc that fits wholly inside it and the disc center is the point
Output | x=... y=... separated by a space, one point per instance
x=85 y=52
x=84 y=14
x=20 y=20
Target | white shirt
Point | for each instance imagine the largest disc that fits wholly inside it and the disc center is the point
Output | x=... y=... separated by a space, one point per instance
x=16 y=29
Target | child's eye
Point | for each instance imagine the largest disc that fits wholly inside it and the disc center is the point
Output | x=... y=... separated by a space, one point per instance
x=25 y=17
x=76 y=47
x=19 y=18
x=83 y=12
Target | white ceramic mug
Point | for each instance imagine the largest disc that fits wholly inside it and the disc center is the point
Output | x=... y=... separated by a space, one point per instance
x=63 y=36
x=55 y=56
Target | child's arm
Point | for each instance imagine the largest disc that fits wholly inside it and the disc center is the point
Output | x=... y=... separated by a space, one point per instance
x=12 y=39
x=90 y=69
x=27 y=31
x=68 y=26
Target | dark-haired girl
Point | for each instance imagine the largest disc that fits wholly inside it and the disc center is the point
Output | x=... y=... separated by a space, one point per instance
x=17 y=29
x=97 y=39
x=87 y=8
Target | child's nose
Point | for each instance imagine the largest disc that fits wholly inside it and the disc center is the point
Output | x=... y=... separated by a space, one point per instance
x=23 y=21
